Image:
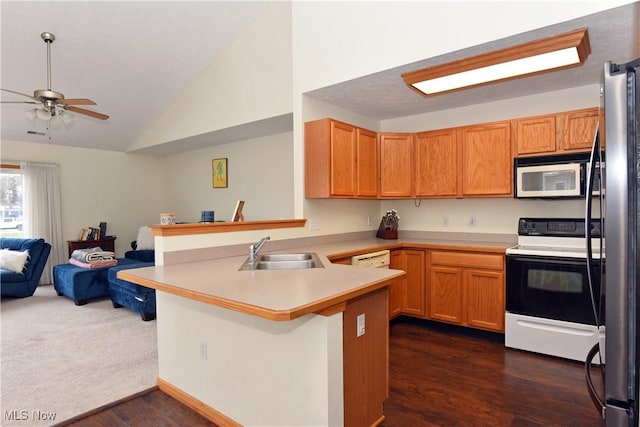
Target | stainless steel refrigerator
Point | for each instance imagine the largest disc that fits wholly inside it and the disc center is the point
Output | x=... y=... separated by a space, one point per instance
x=622 y=229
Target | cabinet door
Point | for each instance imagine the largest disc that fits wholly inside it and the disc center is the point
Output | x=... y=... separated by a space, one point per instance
x=436 y=164
x=396 y=165
x=578 y=129
x=535 y=135
x=486 y=159
x=367 y=163
x=343 y=159
x=445 y=294
x=414 y=297
x=485 y=299
x=396 y=289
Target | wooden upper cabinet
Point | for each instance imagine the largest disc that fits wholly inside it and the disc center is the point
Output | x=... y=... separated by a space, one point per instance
x=578 y=129
x=367 y=163
x=436 y=163
x=486 y=160
x=565 y=132
x=343 y=159
x=535 y=135
x=396 y=164
x=332 y=168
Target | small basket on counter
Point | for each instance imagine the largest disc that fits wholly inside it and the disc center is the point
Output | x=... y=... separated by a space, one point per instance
x=388 y=228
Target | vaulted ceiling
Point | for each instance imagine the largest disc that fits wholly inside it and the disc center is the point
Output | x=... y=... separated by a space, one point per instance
x=134 y=58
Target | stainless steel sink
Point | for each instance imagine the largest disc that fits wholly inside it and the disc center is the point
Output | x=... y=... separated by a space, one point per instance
x=283 y=262
x=286 y=257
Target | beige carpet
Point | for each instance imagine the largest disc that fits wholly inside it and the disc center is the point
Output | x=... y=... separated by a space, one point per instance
x=60 y=360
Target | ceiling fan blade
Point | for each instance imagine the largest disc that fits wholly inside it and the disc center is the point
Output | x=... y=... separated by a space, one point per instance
x=19 y=93
x=87 y=112
x=78 y=101
x=19 y=102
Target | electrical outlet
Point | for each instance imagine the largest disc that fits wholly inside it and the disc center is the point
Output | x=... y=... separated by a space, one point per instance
x=472 y=221
x=203 y=349
x=445 y=221
x=314 y=224
x=368 y=220
x=360 y=325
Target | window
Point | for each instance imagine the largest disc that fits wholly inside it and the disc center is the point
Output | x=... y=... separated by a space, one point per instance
x=11 y=186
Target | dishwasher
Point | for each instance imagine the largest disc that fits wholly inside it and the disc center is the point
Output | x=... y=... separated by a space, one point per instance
x=379 y=259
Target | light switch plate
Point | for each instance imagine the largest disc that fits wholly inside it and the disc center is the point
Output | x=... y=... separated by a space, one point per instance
x=360 y=325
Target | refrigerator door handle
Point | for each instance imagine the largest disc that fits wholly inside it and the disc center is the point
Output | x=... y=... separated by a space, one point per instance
x=598 y=402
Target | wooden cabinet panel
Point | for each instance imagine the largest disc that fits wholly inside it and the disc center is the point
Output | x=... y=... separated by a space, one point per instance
x=485 y=299
x=445 y=294
x=408 y=297
x=343 y=261
x=578 y=129
x=486 y=159
x=414 y=295
x=436 y=163
x=367 y=163
x=396 y=289
x=366 y=359
x=343 y=159
x=535 y=135
x=466 y=259
x=466 y=288
x=396 y=164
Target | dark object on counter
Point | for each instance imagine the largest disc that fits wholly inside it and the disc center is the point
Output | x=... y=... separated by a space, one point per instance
x=385 y=233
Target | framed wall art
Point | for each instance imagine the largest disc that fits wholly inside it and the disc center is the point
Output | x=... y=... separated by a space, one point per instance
x=219 y=172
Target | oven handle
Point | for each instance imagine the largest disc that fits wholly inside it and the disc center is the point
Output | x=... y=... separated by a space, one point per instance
x=546 y=260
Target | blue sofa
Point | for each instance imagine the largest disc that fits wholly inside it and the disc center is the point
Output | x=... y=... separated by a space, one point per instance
x=135 y=297
x=21 y=285
x=141 y=255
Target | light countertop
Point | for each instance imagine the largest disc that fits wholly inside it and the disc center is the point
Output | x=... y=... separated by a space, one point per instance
x=288 y=294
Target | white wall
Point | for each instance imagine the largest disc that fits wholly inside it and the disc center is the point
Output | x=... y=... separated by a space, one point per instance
x=99 y=185
x=259 y=172
x=338 y=41
x=250 y=81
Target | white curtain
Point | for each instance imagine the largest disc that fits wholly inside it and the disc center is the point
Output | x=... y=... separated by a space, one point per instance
x=42 y=214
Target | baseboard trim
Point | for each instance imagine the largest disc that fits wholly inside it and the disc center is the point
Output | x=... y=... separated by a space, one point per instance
x=200 y=407
x=104 y=407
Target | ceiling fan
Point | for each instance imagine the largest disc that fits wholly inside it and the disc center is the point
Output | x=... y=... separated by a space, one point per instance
x=54 y=103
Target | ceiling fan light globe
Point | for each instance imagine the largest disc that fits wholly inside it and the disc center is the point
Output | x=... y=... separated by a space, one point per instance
x=66 y=117
x=55 y=122
x=43 y=114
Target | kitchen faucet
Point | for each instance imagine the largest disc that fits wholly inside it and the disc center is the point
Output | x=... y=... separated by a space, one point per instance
x=254 y=249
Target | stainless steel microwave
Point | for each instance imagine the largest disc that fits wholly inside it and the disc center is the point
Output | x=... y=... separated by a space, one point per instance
x=559 y=176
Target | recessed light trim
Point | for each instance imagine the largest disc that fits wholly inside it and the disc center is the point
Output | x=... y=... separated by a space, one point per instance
x=562 y=51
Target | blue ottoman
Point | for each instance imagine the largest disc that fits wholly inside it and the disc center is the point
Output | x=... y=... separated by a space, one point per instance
x=82 y=284
x=135 y=297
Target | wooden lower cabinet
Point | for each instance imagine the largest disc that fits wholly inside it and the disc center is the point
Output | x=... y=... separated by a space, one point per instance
x=466 y=289
x=407 y=296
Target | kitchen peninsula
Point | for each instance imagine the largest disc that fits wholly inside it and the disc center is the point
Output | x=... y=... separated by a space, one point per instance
x=279 y=347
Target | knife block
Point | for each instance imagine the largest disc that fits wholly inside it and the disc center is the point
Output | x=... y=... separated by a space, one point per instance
x=385 y=233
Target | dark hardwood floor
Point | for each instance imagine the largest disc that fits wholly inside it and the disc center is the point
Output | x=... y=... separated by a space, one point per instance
x=439 y=375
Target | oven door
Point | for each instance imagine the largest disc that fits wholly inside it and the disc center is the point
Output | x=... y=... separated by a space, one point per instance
x=551 y=287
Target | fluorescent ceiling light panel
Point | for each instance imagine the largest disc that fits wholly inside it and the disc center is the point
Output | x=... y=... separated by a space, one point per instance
x=563 y=51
